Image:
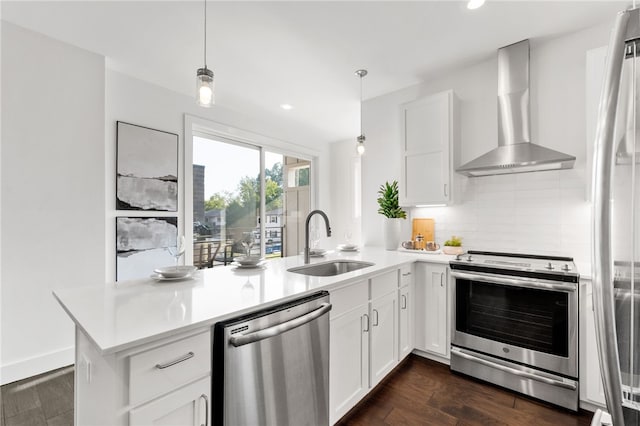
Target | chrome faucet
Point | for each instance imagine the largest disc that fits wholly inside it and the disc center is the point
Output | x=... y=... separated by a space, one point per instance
x=306 y=231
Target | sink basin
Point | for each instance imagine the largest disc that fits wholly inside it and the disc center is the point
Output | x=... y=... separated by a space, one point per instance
x=329 y=269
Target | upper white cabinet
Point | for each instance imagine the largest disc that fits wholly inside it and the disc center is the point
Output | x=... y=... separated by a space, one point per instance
x=427 y=134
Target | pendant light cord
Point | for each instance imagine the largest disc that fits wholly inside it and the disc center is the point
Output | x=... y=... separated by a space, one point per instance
x=360 y=105
x=205 y=34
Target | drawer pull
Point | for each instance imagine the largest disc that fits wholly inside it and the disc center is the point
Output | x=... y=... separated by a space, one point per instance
x=176 y=361
x=406 y=274
x=404 y=302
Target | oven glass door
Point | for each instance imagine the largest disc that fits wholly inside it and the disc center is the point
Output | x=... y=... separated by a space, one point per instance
x=528 y=318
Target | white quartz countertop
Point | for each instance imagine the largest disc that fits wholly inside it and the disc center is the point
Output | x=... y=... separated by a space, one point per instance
x=119 y=316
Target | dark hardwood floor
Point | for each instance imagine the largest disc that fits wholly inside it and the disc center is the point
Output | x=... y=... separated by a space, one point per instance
x=43 y=400
x=424 y=392
x=418 y=392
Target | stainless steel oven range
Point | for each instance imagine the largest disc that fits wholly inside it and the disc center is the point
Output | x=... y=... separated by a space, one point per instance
x=515 y=323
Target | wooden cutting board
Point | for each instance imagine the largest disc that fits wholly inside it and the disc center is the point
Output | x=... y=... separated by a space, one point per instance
x=426 y=227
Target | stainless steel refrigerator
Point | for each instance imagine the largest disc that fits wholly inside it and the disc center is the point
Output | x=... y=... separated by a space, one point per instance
x=616 y=225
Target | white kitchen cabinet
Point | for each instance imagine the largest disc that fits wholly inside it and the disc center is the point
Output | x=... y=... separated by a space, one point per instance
x=186 y=406
x=591 y=388
x=405 y=308
x=384 y=335
x=428 y=132
x=128 y=387
x=348 y=360
x=364 y=339
x=432 y=312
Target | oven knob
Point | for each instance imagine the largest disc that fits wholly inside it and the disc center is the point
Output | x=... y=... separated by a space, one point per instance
x=549 y=265
x=459 y=256
x=566 y=267
x=469 y=258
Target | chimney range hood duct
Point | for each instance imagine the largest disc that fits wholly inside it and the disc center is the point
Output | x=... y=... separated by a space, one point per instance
x=515 y=152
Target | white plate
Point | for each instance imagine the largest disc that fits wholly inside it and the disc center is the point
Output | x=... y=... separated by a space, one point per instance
x=243 y=260
x=159 y=277
x=180 y=271
x=254 y=266
x=343 y=248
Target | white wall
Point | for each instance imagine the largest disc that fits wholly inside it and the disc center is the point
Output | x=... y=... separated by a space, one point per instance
x=544 y=212
x=52 y=194
x=345 y=197
x=142 y=103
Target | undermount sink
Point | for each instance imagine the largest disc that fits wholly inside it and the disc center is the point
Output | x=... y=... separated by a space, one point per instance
x=329 y=269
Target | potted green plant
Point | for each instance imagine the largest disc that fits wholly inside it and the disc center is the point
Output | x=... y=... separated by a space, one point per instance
x=391 y=210
x=453 y=245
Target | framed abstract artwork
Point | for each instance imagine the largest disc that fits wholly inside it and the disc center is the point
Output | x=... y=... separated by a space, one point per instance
x=146 y=169
x=142 y=245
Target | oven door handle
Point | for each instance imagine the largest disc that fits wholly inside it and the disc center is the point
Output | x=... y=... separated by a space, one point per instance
x=516 y=282
x=506 y=369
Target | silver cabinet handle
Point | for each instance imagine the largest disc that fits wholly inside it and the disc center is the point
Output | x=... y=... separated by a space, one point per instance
x=404 y=302
x=375 y=311
x=406 y=274
x=243 y=339
x=366 y=317
x=519 y=282
x=445 y=190
x=206 y=410
x=175 y=361
x=537 y=377
x=603 y=156
x=441 y=279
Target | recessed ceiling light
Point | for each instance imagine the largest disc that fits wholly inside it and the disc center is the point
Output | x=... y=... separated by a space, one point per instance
x=474 y=4
x=286 y=107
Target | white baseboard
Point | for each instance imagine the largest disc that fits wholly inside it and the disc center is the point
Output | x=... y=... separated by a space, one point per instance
x=36 y=365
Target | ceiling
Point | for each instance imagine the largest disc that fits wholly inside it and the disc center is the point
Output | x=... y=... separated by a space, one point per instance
x=303 y=53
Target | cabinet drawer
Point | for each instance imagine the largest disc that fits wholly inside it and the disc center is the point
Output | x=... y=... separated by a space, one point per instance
x=160 y=370
x=406 y=275
x=346 y=298
x=383 y=284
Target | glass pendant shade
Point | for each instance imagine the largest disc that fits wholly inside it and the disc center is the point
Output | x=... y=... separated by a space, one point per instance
x=360 y=145
x=205 y=87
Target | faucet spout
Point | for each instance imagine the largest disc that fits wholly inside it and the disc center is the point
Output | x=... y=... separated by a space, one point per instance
x=306 y=231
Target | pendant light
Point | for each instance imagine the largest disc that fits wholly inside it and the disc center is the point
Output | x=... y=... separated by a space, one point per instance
x=361 y=138
x=204 y=76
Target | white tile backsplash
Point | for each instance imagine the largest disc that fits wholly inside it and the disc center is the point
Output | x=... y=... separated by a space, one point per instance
x=540 y=213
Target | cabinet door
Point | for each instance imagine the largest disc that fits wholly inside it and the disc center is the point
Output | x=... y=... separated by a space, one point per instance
x=348 y=360
x=384 y=336
x=405 y=303
x=186 y=406
x=433 y=304
x=592 y=389
x=426 y=136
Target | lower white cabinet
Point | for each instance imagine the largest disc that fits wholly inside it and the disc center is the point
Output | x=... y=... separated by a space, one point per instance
x=164 y=382
x=384 y=334
x=188 y=406
x=348 y=360
x=406 y=312
x=364 y=339
x=432 y=312
x=591 y=388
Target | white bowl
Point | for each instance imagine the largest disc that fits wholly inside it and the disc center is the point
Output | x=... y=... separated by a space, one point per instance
x=180 y=271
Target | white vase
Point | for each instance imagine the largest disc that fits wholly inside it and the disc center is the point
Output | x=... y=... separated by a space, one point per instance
x=391 y=233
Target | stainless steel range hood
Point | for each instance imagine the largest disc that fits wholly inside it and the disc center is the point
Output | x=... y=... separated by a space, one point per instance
x=515 y=152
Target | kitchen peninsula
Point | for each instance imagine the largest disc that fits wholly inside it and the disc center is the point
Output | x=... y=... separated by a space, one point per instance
x=125 y=329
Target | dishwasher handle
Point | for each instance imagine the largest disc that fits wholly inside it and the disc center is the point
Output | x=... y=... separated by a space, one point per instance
x=256 y=336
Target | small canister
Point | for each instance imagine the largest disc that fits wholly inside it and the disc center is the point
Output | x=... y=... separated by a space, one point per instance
x=419 y=240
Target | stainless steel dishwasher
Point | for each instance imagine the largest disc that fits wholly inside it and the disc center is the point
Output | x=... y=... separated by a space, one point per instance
x=271 y=367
